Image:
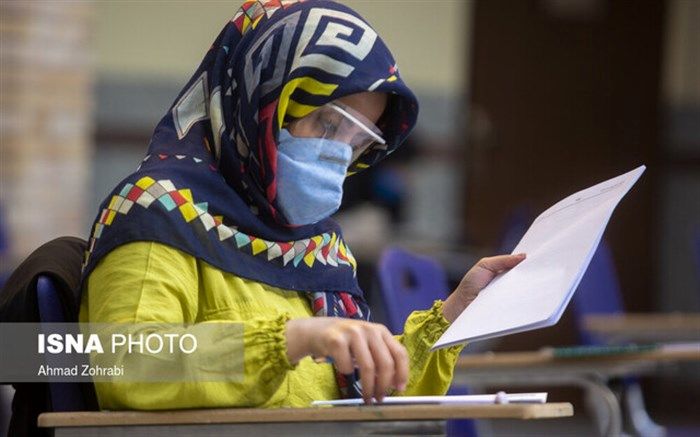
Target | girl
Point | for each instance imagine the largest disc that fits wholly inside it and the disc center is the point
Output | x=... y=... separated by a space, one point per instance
x=227 y=220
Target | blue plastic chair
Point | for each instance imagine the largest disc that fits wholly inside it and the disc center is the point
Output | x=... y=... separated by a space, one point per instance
x=517 y=223
x=65 y=396
x=599 y=289
x=410 y=282
x=599 y=293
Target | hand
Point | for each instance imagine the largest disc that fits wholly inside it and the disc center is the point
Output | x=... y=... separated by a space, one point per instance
x=475 y=280
x=381 y=359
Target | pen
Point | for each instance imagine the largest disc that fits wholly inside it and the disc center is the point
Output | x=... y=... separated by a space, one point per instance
x=357 y=385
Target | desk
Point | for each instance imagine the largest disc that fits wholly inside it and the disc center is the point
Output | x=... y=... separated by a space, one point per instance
x=543 y=368
x=282 y=421
x=644 y=327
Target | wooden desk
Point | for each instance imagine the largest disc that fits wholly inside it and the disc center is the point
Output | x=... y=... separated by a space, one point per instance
x=612 y=365
x=644 y=327
x=543 y=368
x=283 y=421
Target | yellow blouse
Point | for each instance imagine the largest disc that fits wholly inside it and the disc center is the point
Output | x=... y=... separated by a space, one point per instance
x=146 y=282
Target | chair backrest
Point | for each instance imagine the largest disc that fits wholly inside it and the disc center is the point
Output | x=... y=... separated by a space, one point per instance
x=409 y=282
x=48 y=301
x=65 y=396
x=599 y=289
x=516 y=224
x=598 y=292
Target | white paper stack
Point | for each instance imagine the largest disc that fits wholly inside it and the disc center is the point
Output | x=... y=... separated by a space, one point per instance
x=506 y=398
x=559 y=246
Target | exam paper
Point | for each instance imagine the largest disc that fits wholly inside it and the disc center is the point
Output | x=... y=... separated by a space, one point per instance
x=511 y=398
x=559 y=246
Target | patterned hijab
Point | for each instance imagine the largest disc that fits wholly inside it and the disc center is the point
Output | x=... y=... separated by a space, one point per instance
x=208 y=183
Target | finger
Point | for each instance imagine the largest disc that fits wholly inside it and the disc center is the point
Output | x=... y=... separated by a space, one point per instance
x=383 y=361
x=338 y=349
x=363 y=358
x=496 y=264
x=400 y=355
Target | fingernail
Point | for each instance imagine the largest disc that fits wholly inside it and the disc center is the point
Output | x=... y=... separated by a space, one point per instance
x=520 y=255
x=402 y=387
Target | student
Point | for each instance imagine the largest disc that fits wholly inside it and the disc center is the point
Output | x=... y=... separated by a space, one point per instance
x=227 y=219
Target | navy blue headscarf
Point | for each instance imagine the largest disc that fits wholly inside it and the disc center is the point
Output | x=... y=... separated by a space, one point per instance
x=208 y=183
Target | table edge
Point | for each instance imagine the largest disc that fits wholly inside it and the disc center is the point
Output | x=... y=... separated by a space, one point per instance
x=509 y=360
x=289 y=415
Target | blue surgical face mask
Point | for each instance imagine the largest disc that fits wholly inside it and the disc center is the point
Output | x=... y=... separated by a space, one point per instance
x=310 y=176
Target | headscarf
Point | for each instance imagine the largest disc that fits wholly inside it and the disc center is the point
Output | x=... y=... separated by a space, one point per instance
x=208 y=186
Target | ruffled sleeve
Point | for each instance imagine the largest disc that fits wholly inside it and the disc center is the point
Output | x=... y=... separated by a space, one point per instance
x=265 y=345
x=430 y=371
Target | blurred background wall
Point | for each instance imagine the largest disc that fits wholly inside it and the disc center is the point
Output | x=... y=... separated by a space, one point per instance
x=46 y=106
x=678 y=282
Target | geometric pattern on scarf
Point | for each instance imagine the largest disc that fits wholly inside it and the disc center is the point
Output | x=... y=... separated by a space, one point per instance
x=328 y=249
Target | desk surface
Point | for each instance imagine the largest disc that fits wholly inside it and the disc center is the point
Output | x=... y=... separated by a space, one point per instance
x=332 y=414
x=645 y=327
x=546 y=358
x=582 y=367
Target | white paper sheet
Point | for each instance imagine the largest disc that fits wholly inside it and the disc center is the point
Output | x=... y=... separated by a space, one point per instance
x=513 y=398
x=559 y=246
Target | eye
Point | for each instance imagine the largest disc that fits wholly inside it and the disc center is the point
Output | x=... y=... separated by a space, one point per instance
x=328 y=122
x=329 y=126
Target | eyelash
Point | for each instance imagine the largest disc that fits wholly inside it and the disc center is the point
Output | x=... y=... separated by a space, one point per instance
x=327 y=123
x=329 y=126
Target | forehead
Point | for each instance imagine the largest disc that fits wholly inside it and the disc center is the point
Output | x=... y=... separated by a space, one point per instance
x=369 y=104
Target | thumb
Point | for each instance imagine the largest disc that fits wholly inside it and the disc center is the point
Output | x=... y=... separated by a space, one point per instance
x=496 y=264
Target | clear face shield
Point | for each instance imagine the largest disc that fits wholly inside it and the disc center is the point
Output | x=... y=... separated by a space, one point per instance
x=338 y=122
